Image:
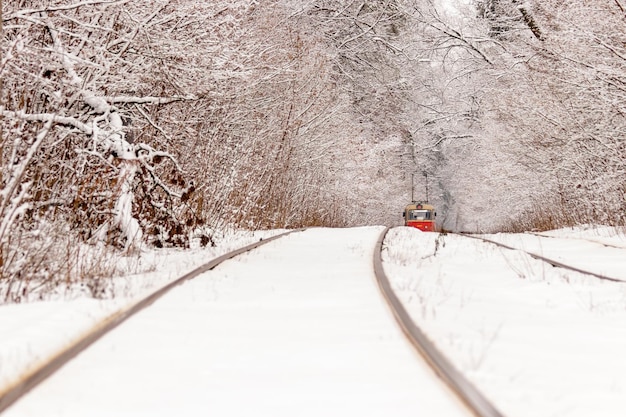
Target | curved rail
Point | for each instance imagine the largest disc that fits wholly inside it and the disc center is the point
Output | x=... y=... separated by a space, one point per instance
x=552 y=262
x=467 y=392
x=27 y=383
x=597 y=242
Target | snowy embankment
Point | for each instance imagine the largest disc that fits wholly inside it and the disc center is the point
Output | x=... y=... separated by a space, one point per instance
x=33 y=332
x=539 y=341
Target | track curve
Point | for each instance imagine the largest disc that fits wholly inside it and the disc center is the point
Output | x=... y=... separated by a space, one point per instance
x=467 y=392
x=10 y=395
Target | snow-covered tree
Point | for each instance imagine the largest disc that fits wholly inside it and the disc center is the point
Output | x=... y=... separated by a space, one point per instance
x=561 y=97
x=130 y=122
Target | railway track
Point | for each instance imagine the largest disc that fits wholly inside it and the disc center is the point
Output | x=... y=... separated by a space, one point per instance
x=595 y=241
x=553 y=262
x=477 y=403
x=474 y=296
x=17 y=390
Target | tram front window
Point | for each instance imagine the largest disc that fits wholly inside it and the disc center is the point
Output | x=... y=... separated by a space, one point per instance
x=419 y=215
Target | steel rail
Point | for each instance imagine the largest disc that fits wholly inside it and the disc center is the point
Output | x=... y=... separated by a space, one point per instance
x=464 y=390
x=552 y=262
x=597 y=242
x=15 y=391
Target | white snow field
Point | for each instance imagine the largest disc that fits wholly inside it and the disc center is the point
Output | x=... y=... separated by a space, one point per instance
x=598 y=251
x=298 y=327
x=537 y=340
x=33 y=332
x=295 y=328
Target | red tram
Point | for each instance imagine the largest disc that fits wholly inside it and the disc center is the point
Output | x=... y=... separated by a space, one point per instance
x=421 y=216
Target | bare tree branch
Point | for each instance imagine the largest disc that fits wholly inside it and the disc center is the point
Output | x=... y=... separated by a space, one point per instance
x=25 y=12
x=49 y=118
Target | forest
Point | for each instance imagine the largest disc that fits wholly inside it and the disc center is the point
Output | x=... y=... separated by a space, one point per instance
x=127 y=123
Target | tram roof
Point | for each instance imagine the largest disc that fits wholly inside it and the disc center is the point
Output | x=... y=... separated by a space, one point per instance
x=419 y=206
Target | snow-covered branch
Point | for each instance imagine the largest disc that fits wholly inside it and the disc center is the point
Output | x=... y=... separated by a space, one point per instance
x=26 y=12
x=49 y=118
x=147 y=100
x=12 y=201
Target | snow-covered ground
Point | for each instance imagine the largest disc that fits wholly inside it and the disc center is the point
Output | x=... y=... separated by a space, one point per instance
x=600 y=250
x=297 y=327
x=300 y=327
x=538 y=340
x=33 y=332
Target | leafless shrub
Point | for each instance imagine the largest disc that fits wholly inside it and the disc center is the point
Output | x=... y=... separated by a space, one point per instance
x=48 y=263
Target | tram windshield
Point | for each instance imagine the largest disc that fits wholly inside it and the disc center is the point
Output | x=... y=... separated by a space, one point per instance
x=419 y=214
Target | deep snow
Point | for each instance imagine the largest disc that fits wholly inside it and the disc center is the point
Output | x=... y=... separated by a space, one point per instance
x=297 y=327
x=538 y=340
x=274 y=330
